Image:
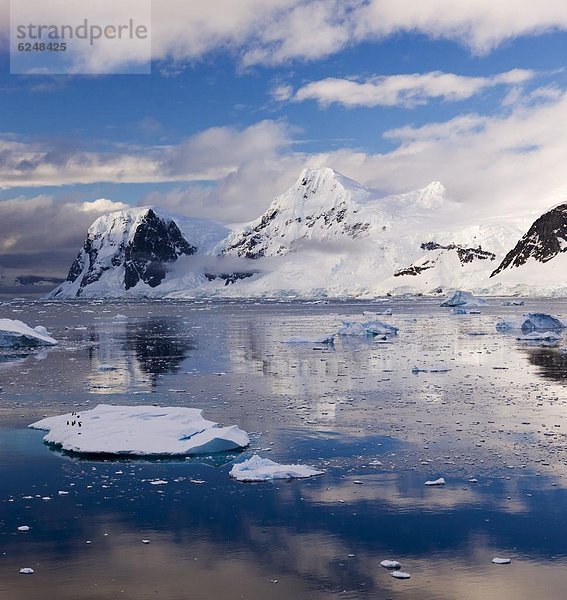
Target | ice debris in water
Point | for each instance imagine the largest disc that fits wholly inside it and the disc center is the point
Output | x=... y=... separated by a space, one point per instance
x=323 y=339
x=140 y=431
x=368 y=328
x=462 y=298
x=501 y=561
x=264 y=469
x=26 y=571
x=400 y=575
x=540 y=336
x=390 y=564
x=531 y=322
x=16 y=334
x=440 y=481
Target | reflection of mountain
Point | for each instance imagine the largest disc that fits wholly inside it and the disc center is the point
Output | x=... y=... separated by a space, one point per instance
x=133 y=355
x=551 y=361
x=157 y=346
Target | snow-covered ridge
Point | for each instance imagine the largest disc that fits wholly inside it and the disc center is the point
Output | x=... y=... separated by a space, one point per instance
x=326 y=236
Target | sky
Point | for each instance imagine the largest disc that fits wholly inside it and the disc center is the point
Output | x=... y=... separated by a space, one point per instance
x=244 y=94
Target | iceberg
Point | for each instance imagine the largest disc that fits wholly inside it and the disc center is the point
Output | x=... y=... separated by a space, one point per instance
x=461 y=298
x=16 y=334
x=368 y=328
x=531 y=322
x=140 y=431
x=264 y=469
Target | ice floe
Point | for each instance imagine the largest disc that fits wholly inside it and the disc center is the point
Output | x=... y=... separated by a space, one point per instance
x=367 y=328
x=501 y=561
x=540 y=336
x=440 y=481
x=140 y=431
x=16 y=334
x=264 y=469
x=462 y=298
x=531 y=322
x=400 y=575
x=27 y=571
x=390 y=564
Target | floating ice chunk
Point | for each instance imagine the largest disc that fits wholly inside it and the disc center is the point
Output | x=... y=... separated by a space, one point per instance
x=323 y=339
x=416 y=370
x=120 y=317
x=16 y=334
x=23 y=528
x=368 y=328
x=390 y=564
x=107 y=368
x=501 y=561
x=264 y=469
x=531 y=322
x=440 y=481
x=145 y=541
x=400 y=575
x=458 y=311
x=26 y=571
x=513 y=303
x=369 y=313
x=140 y=431
x=461 y=298
x=540 y=336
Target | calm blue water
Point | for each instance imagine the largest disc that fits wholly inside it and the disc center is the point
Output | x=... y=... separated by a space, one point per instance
x=357 y=411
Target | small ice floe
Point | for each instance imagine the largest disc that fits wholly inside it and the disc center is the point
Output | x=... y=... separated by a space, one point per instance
x=23 y=528
x=145 y=541
x=27 y=571
x=368 y=328
x=462 y=298
x=323 y=339
x=540 y=336
x=158 y=482
x=440 y=481
x=457 y=310
x=531 y=322
x=416 y=370
x=513 y=303
x=16 y=334
x=120 y=317
x=141 y=431
x=390 y=564
x=107 y=368
x=400 y=575
x=501 y=561
x=264 y=469
x=368 y=313
x=63 y=493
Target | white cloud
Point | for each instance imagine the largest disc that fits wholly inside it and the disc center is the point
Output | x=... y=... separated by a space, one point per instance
x=405 y=90
x=275 y=32
x=102 y=205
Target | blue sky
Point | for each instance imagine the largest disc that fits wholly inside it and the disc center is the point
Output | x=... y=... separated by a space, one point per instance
x=243 y=95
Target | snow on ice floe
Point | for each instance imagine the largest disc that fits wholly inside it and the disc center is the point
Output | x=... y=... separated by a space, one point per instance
x=531 y=322
x=264 y=469
x=16 y=334
x=140 y=431
x=322 y=339
x=462 y=298
x=367 y=328
x=400 y=575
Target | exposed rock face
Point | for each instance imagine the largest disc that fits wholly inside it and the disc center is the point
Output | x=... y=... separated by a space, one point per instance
x=545 y=239
x=466 y=255
x=139 y=241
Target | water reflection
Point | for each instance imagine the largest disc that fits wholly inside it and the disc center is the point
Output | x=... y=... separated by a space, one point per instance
x=552 y=362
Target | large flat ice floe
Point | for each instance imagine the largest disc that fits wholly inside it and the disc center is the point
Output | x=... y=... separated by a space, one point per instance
x=140 y=431
x=16 y=334
x=530 y=323
x=264 y=469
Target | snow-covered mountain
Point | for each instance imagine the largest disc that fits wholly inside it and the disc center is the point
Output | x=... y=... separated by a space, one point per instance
x=123 y=249
x=327 y=235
